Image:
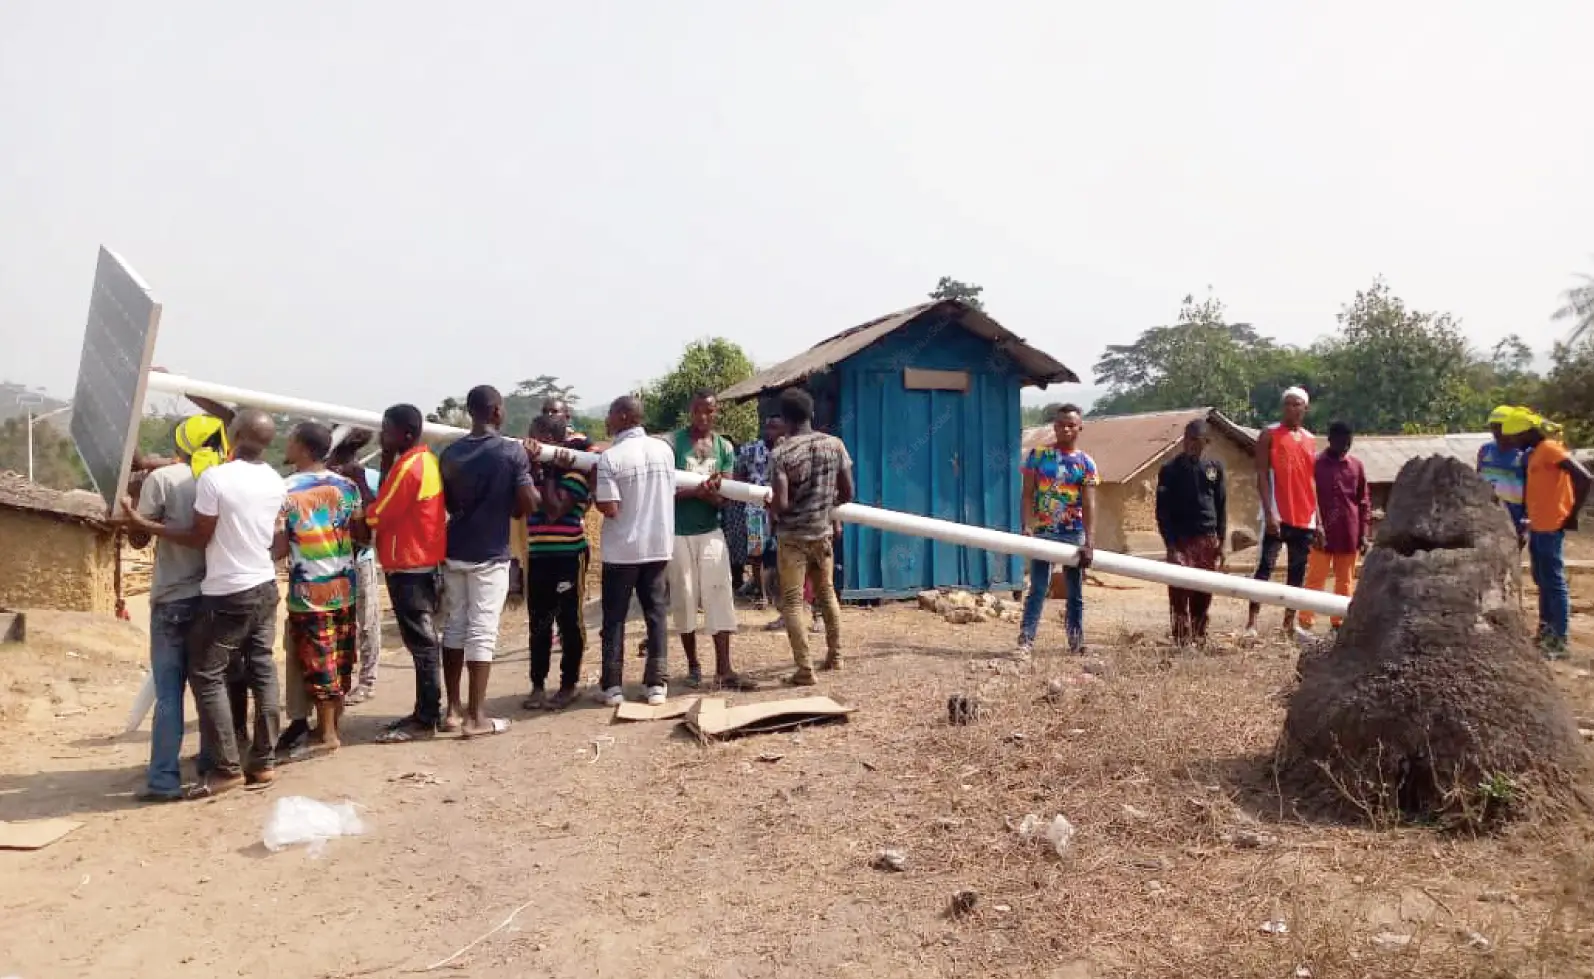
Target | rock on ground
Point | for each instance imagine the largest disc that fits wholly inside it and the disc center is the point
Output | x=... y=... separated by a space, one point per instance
x=1433 y=688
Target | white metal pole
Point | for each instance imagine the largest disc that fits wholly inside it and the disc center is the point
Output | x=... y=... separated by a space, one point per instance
x=1214 y=582
x=30 y=445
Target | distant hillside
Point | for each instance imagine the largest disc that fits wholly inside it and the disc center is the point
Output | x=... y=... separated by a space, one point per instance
x=31 y=399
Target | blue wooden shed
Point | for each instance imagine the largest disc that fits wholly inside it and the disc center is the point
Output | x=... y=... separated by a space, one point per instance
x=927 y=402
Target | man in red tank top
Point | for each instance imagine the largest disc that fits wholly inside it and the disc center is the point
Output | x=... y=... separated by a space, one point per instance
x=1286 y=454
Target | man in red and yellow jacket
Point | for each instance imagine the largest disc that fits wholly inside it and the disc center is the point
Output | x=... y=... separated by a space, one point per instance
x=410 y=529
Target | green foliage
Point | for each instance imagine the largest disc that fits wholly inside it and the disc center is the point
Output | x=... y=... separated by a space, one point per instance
x=714 y=365
x=950 y=288
x=1034 y=416
x=1568 y=391
x=1388 y=370
x=522 y=403
x=55 y=459
x=1201 y=360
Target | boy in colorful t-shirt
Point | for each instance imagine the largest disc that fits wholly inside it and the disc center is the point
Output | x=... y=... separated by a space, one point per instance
x=1059 y=503
x=316 y=534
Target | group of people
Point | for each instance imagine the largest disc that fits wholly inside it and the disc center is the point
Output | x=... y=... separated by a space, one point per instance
x=1543 y=489
x=1316 y=510
x=443 y=529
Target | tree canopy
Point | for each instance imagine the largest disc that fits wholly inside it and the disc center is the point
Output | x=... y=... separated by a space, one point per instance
x=1388 y=369
x=705 y=365
x=950 y=288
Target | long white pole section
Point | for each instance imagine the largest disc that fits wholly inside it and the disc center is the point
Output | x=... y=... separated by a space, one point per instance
x=983 y=538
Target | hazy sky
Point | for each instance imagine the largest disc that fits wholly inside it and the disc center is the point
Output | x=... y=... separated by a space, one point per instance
x=371 y=202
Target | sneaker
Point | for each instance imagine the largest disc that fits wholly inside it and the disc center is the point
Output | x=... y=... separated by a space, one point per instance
x=613 y=697
x=1025 y=649
x=657 y=696
x=802 y=678
x=694 y=678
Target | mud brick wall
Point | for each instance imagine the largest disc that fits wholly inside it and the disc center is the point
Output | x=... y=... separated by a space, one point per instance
x=46 y=563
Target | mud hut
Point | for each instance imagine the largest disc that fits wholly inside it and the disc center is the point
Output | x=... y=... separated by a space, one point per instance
x=58 y=551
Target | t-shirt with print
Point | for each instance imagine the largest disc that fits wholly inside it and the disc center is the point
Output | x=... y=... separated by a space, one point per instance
x=316 y=520
x=1060 y=481
x=168 y=498
x=246 y=499
x=482 y=475
x=705 y=458
x=811 y=463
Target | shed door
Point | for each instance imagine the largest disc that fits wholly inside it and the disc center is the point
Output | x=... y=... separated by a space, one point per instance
x=924 y=459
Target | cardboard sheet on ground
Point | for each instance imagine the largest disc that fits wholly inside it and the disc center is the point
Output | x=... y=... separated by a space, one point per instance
x=34 y=834
x=629 y=711
x=711 y=718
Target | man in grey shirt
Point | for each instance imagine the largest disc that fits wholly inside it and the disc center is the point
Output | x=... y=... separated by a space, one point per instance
x=168 y=497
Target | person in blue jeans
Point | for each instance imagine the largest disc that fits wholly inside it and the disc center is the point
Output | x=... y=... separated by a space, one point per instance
x=1058 y=503
x=167 y=497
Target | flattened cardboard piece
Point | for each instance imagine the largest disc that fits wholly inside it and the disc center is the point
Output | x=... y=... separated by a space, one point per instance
x=629 y=711
x=710 y=718
x=34 y=834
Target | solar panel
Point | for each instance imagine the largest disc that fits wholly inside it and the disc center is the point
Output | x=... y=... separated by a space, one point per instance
x=118 y=343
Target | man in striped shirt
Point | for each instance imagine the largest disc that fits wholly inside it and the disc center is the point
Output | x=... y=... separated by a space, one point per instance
x=556 y=564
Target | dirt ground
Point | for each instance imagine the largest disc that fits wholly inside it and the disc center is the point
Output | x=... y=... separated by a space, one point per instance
x=632 y=850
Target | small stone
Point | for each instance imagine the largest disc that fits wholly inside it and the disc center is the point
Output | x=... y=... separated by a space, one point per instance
x=1497 y=897
x=1135 y=812
x=1274 y=927
x=948 y=823
x=963 y=902
x=1476 y=940
x=204 y=880
x=1303 y=972
x=894 y=861
x=1248 y=839
x=1391 y=942
x=1153 y=885
x=1004 y=908
x=1358 y=880
x=962 y=615
x=928 y=600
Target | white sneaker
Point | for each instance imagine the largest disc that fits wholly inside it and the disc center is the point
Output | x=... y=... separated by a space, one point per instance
x=657 y=696
x=614 y=696
x=1024 y=650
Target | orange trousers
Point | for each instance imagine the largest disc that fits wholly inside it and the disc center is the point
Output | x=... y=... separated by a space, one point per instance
x=1318 y=567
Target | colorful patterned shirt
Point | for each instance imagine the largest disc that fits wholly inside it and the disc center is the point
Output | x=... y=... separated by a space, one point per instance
x=316 y=518
x=1060 y=481
x=568 y=534
x=1505 y=470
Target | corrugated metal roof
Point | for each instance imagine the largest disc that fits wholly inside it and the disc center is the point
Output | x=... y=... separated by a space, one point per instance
x=1037 y=367
x=1123 y=445
x=1383 y=455
x=18 y=493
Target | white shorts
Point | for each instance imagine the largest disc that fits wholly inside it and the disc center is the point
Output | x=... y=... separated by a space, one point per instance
x=700 y=577
x=473 y=600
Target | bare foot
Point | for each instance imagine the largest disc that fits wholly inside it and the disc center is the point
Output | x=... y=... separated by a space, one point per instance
x=481 y=729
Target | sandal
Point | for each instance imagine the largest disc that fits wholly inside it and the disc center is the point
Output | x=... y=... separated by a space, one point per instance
x=736 y=682
x=495 y=725
x=404 y=730
x=209 y=788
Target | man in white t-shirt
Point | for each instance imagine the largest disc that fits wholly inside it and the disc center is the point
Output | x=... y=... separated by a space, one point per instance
x=635 y=492
x=236 y=505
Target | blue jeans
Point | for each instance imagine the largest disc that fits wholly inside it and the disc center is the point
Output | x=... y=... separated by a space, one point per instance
x=1549 y=574
x=1040 y=582
x=169 y=624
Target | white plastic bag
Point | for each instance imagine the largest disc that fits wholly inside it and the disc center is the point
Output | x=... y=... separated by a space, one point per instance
x=297 y=819
x=1059 y=832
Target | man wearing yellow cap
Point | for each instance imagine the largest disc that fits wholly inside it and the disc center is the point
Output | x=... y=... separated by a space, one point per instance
x=1500 y=464
x=167 y=497
x=1553 y=493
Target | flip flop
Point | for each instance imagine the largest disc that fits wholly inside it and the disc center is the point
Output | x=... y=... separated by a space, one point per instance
x=495 y=725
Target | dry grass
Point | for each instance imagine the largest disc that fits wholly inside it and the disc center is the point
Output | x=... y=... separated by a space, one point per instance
x=1184 y=843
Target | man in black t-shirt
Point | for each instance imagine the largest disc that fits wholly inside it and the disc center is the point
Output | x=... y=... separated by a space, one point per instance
x=1192 y=517
x=486 y=484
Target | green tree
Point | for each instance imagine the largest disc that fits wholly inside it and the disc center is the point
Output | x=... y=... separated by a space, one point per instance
x=1200 y=360
x=1567 y=394
x=713 y=365
x=950 y=288
x=1395 y=369
x=55 y=459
